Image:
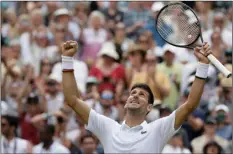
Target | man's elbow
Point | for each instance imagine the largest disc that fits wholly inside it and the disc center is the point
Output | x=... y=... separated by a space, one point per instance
x=71 y=100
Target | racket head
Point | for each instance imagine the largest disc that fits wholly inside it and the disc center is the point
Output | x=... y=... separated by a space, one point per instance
x=178 y=25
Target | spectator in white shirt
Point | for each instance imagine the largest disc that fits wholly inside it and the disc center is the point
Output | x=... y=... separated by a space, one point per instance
x=9 y=142
x=134 y=134
x=48 y=145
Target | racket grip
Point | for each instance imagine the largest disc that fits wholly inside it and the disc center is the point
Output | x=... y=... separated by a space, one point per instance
x=219 y=66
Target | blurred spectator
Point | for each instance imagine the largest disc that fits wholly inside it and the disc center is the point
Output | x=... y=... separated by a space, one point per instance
x=105 y=105
x=173 y=70
x=150 y=25
x=36 y=18
x=10 y=143
x=141 y=72
x=212 y=147
x=51 y=7
x=88 y=144
x=62 y=16
x=135 y=18
x=29 y=131
x=176 y=145
x=113 y=15
x=229 y=17
x=209 y=134
x=10 y=29
x=81 y=12
x=218 y=46
x=54 y=96
x=109 y=73
x=219 y=22
x=205 y=14
x=93 y=36
x=122 y=43
x=224 y=129
x=48 y=145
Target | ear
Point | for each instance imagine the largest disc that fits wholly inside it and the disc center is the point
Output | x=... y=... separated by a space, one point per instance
x=149 y=107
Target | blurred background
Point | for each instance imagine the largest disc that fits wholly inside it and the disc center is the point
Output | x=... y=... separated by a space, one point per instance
x=118 y=46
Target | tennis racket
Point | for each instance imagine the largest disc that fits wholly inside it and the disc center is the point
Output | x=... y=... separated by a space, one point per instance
x=179 y=26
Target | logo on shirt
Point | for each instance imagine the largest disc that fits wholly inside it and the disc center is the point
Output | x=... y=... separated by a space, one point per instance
x=143 y=132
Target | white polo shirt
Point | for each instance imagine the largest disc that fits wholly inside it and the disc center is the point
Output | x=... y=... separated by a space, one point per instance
x=16 y=145
x=120 y=138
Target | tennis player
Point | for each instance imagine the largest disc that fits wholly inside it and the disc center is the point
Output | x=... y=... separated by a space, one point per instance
x=134 y=135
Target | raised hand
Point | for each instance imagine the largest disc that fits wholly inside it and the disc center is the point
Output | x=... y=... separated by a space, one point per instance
x=202 y=53
x=69 y=48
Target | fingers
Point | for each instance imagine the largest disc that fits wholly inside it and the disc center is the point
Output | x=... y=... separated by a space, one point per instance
x=69 y=44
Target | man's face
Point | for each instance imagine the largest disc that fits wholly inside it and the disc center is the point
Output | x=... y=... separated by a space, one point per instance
x=89 y=145
x=63 y=19
x=5 y=127
x=138 y=101
x=45 y=137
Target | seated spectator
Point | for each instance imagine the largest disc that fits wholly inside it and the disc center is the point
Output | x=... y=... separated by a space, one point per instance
x=54 y=96
x=10 y=143
x=212 y=147
x=209 y=134
x=109 y=73
x=88 y=144
x=80 y=14
x=122 y=43
x=176 y=145
x=224 y=128
x=47 y=144
x=62 y=16
x=93 y=36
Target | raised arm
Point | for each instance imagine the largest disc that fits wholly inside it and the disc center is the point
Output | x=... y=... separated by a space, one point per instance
x=197 y=86
x=71 y=92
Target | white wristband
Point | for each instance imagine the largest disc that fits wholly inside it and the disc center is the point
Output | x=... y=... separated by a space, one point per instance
x=67 y=62
x=202 y=70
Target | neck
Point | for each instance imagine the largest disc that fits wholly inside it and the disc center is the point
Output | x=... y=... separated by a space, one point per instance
x=48 y=144
x=10 y=137
x=210 y=135
x=169 y=64
x=133 y=120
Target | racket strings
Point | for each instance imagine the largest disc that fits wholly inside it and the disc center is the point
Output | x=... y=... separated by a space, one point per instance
x=178 y=25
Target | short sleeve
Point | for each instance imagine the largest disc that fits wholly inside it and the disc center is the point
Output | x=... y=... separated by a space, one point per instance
x=167 y=127
x=100 y=125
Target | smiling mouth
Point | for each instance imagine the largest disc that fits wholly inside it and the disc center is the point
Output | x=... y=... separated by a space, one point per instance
x=134 y=102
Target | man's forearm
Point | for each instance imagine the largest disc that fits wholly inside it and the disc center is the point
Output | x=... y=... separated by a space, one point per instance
x=70 y=89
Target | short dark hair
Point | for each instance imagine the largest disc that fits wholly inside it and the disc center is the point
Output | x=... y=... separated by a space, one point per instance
x=12 y=120
x=49 y=128
x=87 y=135
x=146 y=88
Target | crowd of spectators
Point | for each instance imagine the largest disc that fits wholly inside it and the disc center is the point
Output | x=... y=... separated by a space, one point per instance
x=118 y=47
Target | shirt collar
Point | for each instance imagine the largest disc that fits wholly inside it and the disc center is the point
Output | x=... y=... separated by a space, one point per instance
x=142 y=126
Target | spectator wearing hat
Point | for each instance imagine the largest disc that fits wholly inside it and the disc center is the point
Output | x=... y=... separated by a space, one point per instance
x=141 y=72
x=209 y=134
x=10 y=143
x=54 y=96
x=107 y=71
x=51 y=7
x=150 y=25
x=224 y=128
x=62 y=17
x=173 y=70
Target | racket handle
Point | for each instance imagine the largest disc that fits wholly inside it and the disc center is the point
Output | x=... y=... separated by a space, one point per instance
x=219 y=66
